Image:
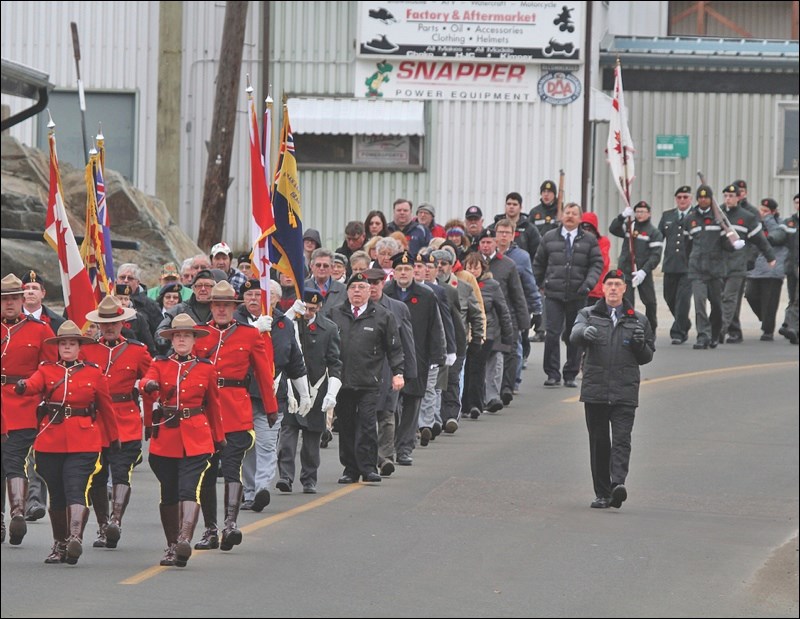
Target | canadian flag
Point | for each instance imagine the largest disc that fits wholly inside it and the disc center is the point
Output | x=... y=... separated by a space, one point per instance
x=78 y=294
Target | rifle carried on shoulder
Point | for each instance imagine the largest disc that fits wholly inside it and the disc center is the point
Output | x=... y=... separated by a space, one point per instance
x=720 y=216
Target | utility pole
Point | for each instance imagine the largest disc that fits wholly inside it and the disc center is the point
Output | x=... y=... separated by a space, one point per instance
x=220 y=145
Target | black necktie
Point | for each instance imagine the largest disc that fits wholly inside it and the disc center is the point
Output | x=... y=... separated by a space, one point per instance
x=569 y=244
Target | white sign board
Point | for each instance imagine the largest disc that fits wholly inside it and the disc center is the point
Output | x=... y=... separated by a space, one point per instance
x=504 y=31
x=441 y=79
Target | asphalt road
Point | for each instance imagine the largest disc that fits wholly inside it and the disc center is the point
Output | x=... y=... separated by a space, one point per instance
x=495 y=519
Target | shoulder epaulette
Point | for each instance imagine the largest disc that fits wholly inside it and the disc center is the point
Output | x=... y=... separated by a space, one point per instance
x=89 y=364
x=199 y=360
x=134 y=342
x=36 y=320
x=47 y=363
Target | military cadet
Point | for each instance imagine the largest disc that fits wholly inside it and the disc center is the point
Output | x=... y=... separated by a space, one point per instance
x=706 y=268
x=647 y=245
x=734 y=331
x=749 y=229
x=76 y=418
x=677 y=287
x=617 y=340
x=368 y=334
x=429 y=344
x=319 y=341
x=544 y=217
x=185 y=430
x=33 y=296
x=123 y=362
x=23 y=349
x=233 y=348
x=545 y=214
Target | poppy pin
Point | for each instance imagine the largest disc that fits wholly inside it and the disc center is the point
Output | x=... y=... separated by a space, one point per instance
x=740 y=222
x=127 y=325
x=414 y=300
x=312 y=327
x=480 y=284
x=708 y=222
x=630 y=312
x=281 y=325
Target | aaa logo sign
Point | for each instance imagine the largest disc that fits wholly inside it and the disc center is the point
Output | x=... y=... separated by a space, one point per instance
x=559 y=88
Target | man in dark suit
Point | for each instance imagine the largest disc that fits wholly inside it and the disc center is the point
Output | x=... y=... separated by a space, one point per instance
x=677 y=287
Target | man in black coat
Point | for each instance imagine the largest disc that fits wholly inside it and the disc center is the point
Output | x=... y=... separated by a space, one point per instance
x=429 y=343
x=617 y=340
x=368 y=335
x=567 y=266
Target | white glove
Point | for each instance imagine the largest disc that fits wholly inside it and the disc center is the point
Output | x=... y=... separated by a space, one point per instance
x=298 y=309
x=450 y=359
x=638 y=277
x=263 y=323
x=305 y=404
x=738 y=244
x=329 y=401
x=628 y=212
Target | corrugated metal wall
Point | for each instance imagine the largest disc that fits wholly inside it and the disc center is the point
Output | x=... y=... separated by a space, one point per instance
x=730 y=137
x=762 y=20
x=476 y=152
x=119 y=50
x=202 y=42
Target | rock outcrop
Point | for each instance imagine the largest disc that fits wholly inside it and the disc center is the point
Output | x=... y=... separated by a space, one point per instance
x=134 y=216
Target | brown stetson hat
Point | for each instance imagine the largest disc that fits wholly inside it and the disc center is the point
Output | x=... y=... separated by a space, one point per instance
x=70 y=331
x=183 y=323
x=110 y=310
x=11 y=284
x=223 y=292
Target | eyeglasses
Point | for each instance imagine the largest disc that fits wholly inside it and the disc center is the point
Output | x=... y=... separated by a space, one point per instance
x=203 y=286
x=683 y=197
x=323 y=266
x=125 y=278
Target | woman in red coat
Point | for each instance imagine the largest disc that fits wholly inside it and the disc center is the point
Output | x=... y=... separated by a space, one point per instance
x=186 y=429
x=76 y=418
x=589 y=224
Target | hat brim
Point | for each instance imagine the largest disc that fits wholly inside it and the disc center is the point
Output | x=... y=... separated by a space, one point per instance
x=127 y=314
x=196 y=331
x=8 y=293
x=225 y=300
x=82 y=339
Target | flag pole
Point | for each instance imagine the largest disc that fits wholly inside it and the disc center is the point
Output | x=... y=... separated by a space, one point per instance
x=76 y=48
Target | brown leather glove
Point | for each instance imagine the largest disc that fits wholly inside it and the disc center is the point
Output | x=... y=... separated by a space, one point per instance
x=272 y=419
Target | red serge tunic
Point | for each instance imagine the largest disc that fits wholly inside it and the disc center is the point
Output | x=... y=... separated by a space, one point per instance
x=185 y=385
x=76 y=387
x=122 y=365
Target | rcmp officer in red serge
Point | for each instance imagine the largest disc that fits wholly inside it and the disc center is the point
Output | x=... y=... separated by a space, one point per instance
x=76 y=418
x=233 y=348
x=186 y=429
x=123 y=362
x=23 y=349
x=617 y=340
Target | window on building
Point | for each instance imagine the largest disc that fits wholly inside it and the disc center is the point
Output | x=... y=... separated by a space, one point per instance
x=117 y=113
x=358 y=134
x=788 y=141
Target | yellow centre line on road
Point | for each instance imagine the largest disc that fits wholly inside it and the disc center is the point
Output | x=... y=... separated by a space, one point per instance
x=738 y=368
x=150 y=572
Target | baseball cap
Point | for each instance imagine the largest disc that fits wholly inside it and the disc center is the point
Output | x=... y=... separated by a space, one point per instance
x=221 y=248
x=473 y=212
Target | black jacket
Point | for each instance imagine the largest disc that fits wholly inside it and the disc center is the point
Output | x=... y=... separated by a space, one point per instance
x=611 y=363
x=647 y=245
x=563 y=278
x=366 y=341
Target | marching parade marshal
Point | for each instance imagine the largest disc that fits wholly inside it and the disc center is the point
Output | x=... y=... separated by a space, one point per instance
x=617 y=340
x=23 y=349
x=233 y=348
x=186 y=429
x=76 y=419
x=123 y=362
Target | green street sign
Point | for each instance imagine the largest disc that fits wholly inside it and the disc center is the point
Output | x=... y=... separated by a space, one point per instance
x=672 y=146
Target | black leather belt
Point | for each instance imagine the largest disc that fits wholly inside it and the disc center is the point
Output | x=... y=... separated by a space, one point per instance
x=10 y=379
x=184 y=413
x=232 y=382
x=59 y=412
x=121 y=397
